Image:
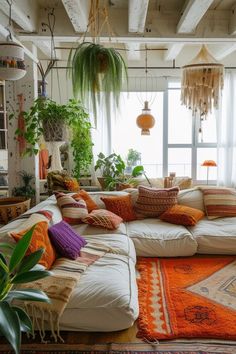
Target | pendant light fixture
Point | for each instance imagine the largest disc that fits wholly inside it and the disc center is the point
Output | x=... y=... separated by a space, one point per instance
x=12 y=65
x=202 y=82
x=145 y=121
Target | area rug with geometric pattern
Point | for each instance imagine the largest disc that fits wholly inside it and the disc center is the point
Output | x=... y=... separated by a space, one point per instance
x=187 y=297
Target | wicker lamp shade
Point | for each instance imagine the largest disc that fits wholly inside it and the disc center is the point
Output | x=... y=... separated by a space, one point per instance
x=202 y=82
x=145 y=121
x=12 y=65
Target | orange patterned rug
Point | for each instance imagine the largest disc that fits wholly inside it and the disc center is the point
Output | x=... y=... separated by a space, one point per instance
x=189 y=297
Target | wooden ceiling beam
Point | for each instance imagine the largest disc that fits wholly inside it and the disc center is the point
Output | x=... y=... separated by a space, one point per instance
x=173 y=51
x=78 y=13
x=137 y=15
x=192 y=14
x=133 y=51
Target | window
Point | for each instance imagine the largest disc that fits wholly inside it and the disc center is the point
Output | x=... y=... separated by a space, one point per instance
x=177 y=143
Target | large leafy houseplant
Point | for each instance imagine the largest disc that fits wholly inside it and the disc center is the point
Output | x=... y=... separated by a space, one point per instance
x=97 y=70
x=49 y=119
x=14 y=270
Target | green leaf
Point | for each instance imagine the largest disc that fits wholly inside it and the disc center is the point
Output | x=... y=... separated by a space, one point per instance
x=10 y=326
x=30 y=261
x=20 y=249
x=28 y=295
x=7 y=245
x=29 y=276
x=25 y=321
x=137 y=171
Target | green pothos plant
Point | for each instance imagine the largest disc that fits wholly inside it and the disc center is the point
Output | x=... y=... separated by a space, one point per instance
x=18 y=269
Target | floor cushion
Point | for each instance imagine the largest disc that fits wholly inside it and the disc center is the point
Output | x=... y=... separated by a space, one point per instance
x=156 y=238
x=216 y=236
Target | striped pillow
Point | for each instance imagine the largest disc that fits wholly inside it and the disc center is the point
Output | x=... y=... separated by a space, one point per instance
x=72 y=210
x=152 y=202
x=103 y=218
x=219 y=202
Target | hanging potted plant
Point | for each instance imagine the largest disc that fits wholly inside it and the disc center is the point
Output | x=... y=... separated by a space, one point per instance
x=96 y=70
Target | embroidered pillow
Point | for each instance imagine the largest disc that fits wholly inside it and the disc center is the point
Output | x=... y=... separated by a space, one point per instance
x=103 y=218
x=72 y=211
x=219 y=202
x=152 y=202
x=82 y=194
x=71 y=184
x=121 y=206
x=66 y=241
x=39 y=239
x=182 y=215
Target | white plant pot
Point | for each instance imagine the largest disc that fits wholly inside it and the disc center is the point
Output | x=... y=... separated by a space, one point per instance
x=10 y=51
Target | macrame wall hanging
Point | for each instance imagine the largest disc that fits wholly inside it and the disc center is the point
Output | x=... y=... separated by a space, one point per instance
x=202 y=82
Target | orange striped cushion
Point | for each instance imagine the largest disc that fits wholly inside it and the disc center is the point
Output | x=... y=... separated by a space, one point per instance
x=219 y=202
x=39 y=239
x=103 y=218
x=182 y=215
x=72 y=210
x=82 y=194
x=152 y=202
x=120 y=205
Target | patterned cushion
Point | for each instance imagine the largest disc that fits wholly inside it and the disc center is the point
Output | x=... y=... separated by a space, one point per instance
x=103 y=218
x=121 y=206
x=182 y=215
x=71 y=184
x=29 y=221
x=82 y=194
x=152 y=202
x=39 y=239
x=66 y=241
x=72 y=211
x=219 y=202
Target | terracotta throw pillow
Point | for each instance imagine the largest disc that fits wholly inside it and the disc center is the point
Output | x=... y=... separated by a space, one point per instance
x=82 y=194
x=121 y=206
x=103 y=218
x=219 y=202
x=66 y=240
x=71 y=184
x=152 y=202
x=39 y=239
x=72 y=211
x=182 y=215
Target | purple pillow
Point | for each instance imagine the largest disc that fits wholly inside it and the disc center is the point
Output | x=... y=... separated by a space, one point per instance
x=66 y=241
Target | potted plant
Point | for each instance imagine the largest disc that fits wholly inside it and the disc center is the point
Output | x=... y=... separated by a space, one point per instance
x=51 y=120
x=94 y=70
x=26 y=190
x=18 y=269
x=133 y=158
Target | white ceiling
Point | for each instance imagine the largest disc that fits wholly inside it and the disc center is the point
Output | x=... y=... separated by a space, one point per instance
x=178 y=27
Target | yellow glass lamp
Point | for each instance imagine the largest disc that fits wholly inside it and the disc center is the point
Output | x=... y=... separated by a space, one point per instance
x=207 y=164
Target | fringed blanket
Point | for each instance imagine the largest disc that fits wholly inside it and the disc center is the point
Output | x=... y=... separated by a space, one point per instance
x=59 y=286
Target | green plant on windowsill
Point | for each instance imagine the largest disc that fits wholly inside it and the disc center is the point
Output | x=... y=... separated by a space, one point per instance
x=18 y=269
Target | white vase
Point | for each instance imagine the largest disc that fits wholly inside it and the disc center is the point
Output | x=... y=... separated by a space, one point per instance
x=54 y=151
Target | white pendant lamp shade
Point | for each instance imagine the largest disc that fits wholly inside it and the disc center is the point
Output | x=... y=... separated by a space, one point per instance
x=12 y=66
x=202 y=82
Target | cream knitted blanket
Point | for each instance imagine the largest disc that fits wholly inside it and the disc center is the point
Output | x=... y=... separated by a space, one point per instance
x=58 y=287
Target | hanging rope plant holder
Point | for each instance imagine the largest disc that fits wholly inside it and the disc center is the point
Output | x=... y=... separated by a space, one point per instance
x=202 y=82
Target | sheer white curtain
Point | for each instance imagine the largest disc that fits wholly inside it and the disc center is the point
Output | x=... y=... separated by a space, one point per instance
x=226 y=131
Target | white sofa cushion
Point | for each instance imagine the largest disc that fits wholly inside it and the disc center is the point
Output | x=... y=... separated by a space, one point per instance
x=191 y=197
x=156 y=238
x=215 y=236
x=106 y=297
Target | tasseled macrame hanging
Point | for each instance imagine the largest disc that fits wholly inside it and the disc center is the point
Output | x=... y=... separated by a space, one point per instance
x=202 y=82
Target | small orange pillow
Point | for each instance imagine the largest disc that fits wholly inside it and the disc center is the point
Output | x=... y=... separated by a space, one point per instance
x=121 y=206
x=39 y=239
x=82 y=194
x=103 y=218
x=71 y=184
x=182 y=215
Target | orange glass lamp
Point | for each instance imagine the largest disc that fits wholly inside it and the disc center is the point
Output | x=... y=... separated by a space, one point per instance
x=145 y=121
x=207 y=164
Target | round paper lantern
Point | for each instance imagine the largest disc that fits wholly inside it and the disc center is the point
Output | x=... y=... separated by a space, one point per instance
x=145 y=121
x=12 y=66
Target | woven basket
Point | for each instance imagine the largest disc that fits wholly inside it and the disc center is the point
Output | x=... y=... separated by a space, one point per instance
x=12 y=207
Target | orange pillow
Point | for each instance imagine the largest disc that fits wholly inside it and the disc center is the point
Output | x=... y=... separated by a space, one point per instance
x=39 y=239
x=103 y=218
x=82 y=194
x=182 y=215
x=71 y=184
x=121 y=206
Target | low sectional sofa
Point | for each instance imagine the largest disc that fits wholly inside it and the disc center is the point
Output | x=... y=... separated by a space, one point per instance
x=106 y=298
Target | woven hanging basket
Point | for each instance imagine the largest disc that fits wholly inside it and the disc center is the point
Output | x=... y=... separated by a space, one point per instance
x=202 y=82
x=12 y=65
